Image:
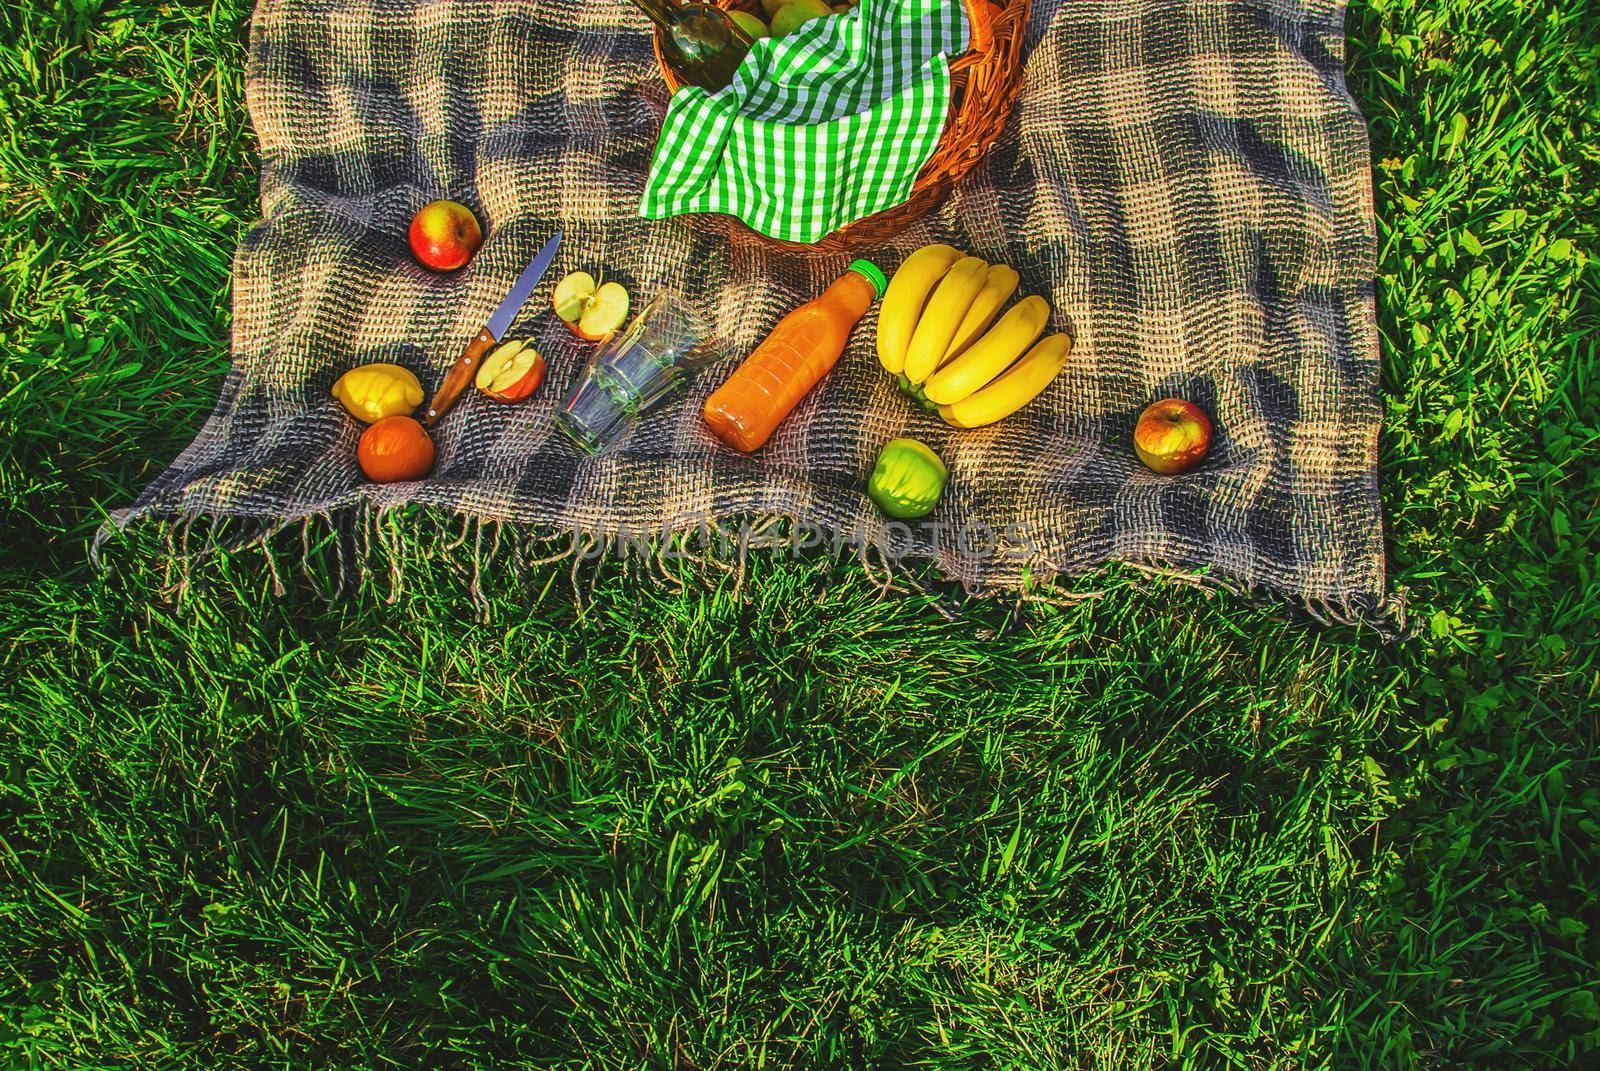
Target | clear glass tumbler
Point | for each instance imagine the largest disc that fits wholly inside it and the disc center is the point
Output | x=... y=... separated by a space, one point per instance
x=630 y=373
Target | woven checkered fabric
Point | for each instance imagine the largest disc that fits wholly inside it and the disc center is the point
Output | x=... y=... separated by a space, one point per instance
x=1186 y=180
x=818 y=129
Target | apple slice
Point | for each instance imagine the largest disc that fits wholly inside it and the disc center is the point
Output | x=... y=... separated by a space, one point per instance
x=605 y=314
x=572 y=296
x=592 y=311
x=511 y=373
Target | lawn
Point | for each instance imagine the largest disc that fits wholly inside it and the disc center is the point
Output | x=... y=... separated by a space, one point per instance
x=798 y=825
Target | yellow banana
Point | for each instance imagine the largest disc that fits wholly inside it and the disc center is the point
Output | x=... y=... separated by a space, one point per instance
x=902 y=304
x=990 y=355
x=998 y=286
x=1015 y=389
x=947 y=307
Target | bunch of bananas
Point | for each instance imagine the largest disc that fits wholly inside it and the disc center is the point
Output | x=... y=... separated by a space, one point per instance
x=941 y=333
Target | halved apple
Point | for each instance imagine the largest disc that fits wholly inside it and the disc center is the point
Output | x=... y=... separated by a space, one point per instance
x=511 y=373
x=593 y=311
x=573 y=295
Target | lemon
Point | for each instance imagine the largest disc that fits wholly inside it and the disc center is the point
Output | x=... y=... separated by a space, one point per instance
x=374 y=391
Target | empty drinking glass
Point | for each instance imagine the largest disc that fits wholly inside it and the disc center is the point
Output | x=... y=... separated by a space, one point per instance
x=631 y=372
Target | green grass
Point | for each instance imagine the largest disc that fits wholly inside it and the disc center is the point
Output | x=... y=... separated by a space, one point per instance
x=800 y=827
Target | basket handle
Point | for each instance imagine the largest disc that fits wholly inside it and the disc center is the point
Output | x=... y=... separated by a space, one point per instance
x=980 y=35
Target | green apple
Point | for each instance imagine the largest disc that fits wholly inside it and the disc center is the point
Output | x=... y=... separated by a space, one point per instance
x=795 y=14
x=907 y=480
x=749 y=24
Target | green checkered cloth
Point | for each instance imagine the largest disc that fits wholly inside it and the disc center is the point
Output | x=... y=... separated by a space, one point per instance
x=820 y=128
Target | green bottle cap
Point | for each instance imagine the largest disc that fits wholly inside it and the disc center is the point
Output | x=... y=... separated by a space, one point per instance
x=872 y=273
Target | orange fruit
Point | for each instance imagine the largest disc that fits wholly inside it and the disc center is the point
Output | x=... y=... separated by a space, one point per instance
x=395 y=448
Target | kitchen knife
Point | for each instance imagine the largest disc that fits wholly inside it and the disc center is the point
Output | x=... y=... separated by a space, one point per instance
x=460 y=376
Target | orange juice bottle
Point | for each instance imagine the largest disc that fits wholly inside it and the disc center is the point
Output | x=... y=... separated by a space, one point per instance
x=803 y=348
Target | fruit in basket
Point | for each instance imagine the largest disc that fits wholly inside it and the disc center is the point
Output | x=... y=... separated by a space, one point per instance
x=751 y=25
x=1023 y=382
x=947 y=307
x=998 y=286
x=991 y=355
x=907 y=480
x=444 y=235
x=511 y=373
x=395 y=448
x=795 y=14
x=593 y=311
x=770 y=7
x=371 y=392
x=904 y=300
x=1172 y=436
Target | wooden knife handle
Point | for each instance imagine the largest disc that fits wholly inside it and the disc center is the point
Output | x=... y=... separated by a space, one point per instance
x=460 y=377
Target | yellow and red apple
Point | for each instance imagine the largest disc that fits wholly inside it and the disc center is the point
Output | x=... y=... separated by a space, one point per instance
x=444 y=235
x=1172 y=436
x=591 y=310
x=511 y=373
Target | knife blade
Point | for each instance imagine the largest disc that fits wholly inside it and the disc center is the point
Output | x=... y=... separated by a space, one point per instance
x=499 y=322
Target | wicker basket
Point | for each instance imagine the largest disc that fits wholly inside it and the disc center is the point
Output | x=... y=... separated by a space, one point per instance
x=983 y=86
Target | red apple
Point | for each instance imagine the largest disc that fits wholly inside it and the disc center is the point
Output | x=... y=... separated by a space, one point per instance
x=511 y=372
x=592 y=311
x=1172 y=435
x=444 y=235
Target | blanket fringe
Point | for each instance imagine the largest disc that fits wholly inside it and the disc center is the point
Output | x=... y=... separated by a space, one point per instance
x=364 y=549
x=1388 y=616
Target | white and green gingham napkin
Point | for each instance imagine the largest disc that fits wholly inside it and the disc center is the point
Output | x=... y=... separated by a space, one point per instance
x=818 y=129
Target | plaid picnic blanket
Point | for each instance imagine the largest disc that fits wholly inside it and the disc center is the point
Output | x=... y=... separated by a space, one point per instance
x=818 y=129
x=1186 y=180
